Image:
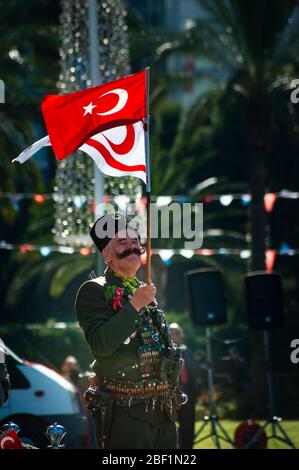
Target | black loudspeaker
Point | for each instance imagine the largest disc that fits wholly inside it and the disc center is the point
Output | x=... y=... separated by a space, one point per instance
x=206 y=297
x=264 y=300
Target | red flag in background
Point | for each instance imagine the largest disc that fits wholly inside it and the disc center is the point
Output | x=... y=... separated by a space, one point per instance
x=10 y=440
x=71 y=119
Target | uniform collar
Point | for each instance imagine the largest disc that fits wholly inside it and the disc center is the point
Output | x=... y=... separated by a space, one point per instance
x=111 y=278
x=116 y=279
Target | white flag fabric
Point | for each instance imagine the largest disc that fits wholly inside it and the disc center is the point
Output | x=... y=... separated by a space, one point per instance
x=32 y=149
x=119 y=151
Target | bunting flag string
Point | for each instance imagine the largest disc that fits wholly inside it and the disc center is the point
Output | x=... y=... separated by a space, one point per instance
x=224 y=199
x=165 y=254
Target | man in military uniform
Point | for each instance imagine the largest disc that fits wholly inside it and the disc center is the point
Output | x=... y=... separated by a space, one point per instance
x=137 y=365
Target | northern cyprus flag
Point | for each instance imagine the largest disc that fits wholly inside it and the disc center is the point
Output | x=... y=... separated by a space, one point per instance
x=119 y=151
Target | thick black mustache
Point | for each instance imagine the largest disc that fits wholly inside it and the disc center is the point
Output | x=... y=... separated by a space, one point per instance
x=131 y=251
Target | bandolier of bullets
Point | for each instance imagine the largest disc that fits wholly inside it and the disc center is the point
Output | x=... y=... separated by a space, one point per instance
x=148 y=353
x=125 y=390
x=152 y=339
x=148 y=356
x=146 y=335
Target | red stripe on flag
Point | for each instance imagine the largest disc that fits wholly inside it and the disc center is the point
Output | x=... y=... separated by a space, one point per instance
x=110 y=160
x=126 y=146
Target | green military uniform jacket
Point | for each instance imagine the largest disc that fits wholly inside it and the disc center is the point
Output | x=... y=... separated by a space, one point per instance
x=107 y=331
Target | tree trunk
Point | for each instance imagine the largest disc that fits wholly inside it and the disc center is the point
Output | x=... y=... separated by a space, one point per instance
x=257 y=214
x=259 y=143
x=258 y=395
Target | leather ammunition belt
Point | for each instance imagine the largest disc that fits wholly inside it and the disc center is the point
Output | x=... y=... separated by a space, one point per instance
x=128 y=391
x=99 y=402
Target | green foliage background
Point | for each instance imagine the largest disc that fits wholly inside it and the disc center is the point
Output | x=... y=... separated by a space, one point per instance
x=246 y=55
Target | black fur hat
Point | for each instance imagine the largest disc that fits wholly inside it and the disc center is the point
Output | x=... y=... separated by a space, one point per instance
x=107 y=226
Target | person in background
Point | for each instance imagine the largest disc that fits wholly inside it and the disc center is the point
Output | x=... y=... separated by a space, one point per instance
x=70 y=369
x=189 y=385
x=238 y=376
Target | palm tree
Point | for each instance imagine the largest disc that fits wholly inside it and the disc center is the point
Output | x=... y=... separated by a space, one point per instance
x=29 y=67
x=249 y=52
x=28 y=47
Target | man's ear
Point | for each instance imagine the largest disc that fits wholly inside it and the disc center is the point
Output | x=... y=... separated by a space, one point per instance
x=106 y=253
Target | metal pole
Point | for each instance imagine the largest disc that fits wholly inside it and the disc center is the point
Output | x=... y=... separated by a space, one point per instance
x=212 y=418
x=148 y=182
x=210 y=371
x=269 y=374
x=147 y=123
x=94 y=66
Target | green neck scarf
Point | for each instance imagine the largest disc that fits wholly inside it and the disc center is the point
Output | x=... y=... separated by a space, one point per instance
x=130 y=282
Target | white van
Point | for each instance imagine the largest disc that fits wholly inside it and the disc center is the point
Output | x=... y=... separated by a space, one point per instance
x=39 y=396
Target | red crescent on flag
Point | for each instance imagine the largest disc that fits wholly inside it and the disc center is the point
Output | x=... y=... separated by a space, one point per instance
x=121 y=149
x=122 y=96
x=7 y=442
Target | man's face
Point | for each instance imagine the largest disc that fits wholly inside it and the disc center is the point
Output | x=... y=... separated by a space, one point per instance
x=123 y=253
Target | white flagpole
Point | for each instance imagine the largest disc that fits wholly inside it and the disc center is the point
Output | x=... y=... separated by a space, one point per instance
x=94 y=66
x=148 y=181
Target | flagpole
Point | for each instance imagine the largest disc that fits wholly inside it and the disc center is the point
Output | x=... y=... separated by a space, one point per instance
x=148 y=181
x=94 y=67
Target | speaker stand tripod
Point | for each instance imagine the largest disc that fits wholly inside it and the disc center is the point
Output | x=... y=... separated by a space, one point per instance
x=217 y=431
x=277 y=431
